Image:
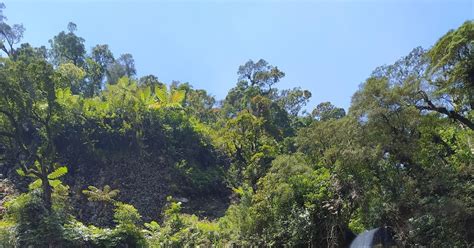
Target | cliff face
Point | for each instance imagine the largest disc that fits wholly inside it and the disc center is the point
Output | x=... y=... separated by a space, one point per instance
x=162 y=155
x=146 y=181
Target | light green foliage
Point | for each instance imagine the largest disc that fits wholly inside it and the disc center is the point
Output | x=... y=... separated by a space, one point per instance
x=167 y=98
x=101 y=195
x=71 y=76
x=7 y=234
x=181 y=230
x=198 y=103
x=245 y=139
x=236 y=225
x=53 y=178
x=126 y=215
x=126 y=233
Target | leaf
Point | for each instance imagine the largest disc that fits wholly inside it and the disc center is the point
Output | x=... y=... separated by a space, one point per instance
x=59 y=172
x=178 y=96
x=155 y=105
x=54 y=183
x=162 y=94
x=20 y=172
x=153 y=226
x=145 y=94
x=35 y=185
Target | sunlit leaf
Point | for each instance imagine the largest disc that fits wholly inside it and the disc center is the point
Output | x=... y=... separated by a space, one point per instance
x=59 y=172
x=35 y=185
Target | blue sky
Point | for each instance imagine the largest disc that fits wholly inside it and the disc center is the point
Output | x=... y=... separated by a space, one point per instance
x=328 y=47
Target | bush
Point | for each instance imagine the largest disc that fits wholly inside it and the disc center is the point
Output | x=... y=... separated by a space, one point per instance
x=34 y=224
x=181 y=230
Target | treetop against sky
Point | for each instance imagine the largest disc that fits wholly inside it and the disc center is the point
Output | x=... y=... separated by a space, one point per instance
x=326 y=47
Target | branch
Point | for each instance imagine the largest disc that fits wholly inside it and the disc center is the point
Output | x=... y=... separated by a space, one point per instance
x=450 y=113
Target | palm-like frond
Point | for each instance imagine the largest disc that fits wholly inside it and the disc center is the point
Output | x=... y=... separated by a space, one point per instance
x=106 y=194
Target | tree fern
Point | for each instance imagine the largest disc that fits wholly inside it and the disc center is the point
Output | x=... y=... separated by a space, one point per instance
x=101 y=195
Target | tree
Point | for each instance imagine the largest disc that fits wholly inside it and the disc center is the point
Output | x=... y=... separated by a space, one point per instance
x=198 y=102
x=102 y=55
x=28 y=111
x=451 y=73
x=440 y=79
x=150 y=81
x=293 y=100
x=96 y=67
x=9 y=35
x=254 y=79
x=124 y=66
x=105 y=197
x=71 y=76
x=420 y=156
x=260 y=74
x=128 y=64
x=68 y=47
x=326 y=111
x=245 y=140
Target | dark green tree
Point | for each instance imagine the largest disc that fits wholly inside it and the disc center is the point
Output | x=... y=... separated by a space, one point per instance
x=68 y=47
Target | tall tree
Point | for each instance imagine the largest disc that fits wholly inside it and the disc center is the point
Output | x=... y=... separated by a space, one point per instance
x=9 y=35
x=68 y=47
x=123 y=66
x=254 y=79
x=326 y=111
x=260 y=74
x=451 y=74
x=96 y=66
x=28 y=111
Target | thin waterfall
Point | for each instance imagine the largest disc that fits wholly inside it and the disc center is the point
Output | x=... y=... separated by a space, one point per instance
x=365 y=239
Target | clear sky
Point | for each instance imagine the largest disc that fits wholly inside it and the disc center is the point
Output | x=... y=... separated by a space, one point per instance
x=328 y=47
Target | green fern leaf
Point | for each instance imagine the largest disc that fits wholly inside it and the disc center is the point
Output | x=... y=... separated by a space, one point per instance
x=54 y=183
x=20 y=172
x=35 y=185
x=59 y=172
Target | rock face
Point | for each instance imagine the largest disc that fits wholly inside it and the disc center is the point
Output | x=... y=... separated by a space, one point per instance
x=377 y=237
x=145 y=182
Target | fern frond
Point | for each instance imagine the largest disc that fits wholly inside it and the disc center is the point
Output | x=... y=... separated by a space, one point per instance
x=35 y=185
x=54 y=183
x=59 y=172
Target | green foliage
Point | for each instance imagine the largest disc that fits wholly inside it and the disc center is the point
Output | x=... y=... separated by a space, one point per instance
x=7 y=234
x=181 y=230
x=326 y=111
x=402 y=157
x=102 y=195
x=53 y=178
x=68 y=47
x=236 y=225
x=70 y=76
x=34 y=225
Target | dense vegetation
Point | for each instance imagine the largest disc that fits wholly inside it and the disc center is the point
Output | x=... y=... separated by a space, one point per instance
x=92 y=156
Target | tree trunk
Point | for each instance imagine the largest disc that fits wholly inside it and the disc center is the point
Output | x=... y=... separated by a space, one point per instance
x=47 y=192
